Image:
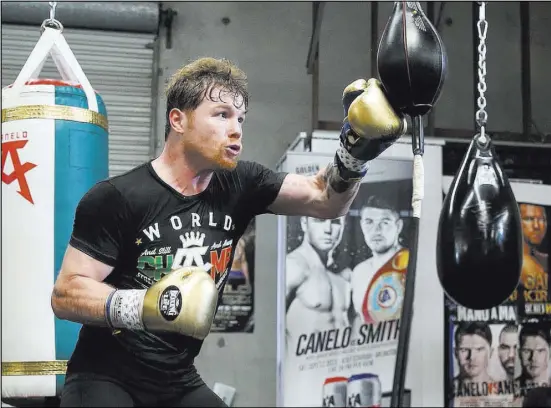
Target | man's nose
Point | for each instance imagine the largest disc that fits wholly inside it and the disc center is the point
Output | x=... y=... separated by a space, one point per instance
x=235 y=131
x=327 y=226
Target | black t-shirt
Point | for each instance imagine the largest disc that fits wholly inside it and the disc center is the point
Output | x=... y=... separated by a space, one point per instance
x=142 y=227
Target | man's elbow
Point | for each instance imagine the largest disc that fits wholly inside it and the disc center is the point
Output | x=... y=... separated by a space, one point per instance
x=57 y=298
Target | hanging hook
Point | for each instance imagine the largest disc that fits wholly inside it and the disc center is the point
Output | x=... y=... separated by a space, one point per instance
x=51 y=22
x=53 y=5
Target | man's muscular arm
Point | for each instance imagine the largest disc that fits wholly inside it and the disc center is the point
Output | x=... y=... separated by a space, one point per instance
x=324 y=195
x=79 y=295
x=370 y=127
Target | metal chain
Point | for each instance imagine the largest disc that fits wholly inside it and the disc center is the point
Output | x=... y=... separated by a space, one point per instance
x=481 y=114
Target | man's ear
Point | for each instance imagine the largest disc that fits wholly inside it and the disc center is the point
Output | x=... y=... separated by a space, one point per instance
x=178 y=120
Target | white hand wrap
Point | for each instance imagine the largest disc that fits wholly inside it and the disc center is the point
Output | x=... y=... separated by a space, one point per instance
x=350 y=162
x=123 y=309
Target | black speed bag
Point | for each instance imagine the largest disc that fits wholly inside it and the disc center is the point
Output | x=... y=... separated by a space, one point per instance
x=479 y=242
x=411 y=60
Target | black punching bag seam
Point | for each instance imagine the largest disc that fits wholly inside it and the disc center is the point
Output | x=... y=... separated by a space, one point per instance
x=405 y=37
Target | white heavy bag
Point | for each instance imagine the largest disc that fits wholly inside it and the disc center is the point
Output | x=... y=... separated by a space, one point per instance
x=54 y=148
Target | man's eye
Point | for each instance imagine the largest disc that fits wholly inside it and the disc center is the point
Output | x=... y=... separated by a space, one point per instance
x=223 y=114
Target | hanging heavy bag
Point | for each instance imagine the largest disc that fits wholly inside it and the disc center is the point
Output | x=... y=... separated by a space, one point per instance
x=479 y=242
x=54 y=148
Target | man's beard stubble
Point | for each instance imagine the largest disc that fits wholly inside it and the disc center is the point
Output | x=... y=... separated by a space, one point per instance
x=215 y=156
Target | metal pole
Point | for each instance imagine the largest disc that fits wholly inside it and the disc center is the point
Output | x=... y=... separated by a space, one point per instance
x=525 y=71
x=312 y=66
x=430 y=14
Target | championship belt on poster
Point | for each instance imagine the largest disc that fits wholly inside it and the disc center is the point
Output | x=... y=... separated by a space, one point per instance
x=384 y=295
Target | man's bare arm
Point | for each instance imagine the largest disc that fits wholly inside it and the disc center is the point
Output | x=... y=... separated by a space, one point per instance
x=79 y=295
x=294 y=277
x=324 y=195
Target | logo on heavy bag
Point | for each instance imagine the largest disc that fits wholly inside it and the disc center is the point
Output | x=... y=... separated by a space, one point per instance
x=11 y=149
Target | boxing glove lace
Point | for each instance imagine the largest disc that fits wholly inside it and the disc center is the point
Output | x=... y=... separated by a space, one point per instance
x=370 y=126
x=183 y=301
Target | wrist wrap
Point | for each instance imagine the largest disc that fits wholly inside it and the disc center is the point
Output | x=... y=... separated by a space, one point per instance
x=123 y=309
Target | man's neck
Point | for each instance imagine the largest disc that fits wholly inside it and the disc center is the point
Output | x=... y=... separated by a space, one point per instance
x=178 y=171
x=385 y=256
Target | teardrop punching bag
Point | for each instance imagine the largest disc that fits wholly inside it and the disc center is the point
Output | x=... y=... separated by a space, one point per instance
x=479 y=243
x=412 y=65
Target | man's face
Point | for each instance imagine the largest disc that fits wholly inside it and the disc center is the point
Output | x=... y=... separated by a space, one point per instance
x=212 y=133
x=381 y=228
x=534 y=356
x=324 y=235
x=507 y=351
x=473 y=354
x=534 y=223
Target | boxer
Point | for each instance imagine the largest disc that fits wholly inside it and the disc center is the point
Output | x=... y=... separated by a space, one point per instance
x=130 y=274
x=316 y=297
x=534 y=352
x=381 y=227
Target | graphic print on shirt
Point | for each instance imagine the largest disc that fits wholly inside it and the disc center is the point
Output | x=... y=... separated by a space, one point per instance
x=187 y=240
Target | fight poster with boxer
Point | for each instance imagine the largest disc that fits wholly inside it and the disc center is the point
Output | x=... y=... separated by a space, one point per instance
x=492 y=359
x=495 y=356
x=236 y=309
x=532 y=295
x=343 y=289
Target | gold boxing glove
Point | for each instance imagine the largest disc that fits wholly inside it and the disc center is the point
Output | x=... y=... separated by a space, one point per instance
x=371 y=124
x=183 y=301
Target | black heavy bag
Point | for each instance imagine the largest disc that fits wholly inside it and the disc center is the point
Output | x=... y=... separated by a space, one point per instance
x=479 y=244
x=411 y=60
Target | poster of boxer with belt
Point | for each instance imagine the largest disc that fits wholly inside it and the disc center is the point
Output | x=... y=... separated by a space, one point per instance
x=236 y=310
x=344 y=284
x=494 y=357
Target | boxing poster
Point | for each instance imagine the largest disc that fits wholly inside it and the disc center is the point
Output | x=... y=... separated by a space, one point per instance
x=532 y=295
x=343 y=288
x=493 y=360
x=494 y=357
x=236 y=309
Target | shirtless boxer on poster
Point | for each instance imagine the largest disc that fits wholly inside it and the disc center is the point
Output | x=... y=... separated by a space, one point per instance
x=372 y=289
x=150 y=249
x=316 y=297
